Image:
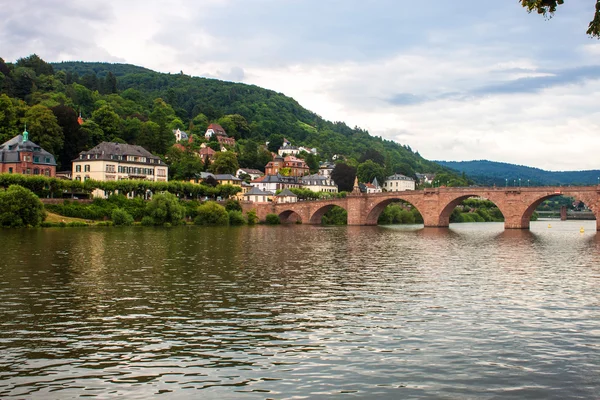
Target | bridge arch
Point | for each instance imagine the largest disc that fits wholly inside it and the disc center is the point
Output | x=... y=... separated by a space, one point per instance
x=586 y=199
x=317 y=215
x=377 y=209
x=290 y=217
x=446 y=212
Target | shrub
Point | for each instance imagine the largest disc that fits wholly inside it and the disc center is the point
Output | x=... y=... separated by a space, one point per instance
x=211 y=213
x=121 y=217
x=147 y=221
x=20 y=207
x=236 y=218
x=233 y=205
x=251 y=217
x=272 y=219
x=165 y=208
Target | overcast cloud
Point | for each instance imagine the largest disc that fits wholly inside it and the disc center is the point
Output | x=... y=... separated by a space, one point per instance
x=453 y=80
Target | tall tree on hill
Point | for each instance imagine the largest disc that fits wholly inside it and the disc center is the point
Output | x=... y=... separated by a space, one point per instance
x=343 y=175
x=108 y=121
x=44 y=129
x=34 y=62
x=370 y=170
x=8 y=119
x=373 y=155
x=75 y=140
x=225 y=163
x=110 y=83
x=275 y=142
x=162 y=114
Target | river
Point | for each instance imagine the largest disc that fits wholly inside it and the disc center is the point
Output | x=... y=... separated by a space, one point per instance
x=469 y=312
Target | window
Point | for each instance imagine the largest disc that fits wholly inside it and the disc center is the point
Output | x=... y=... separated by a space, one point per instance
x=110 y=168
x=36 y=159
x=86 y=178
x=78 y=168
x=28 y=172
x=47 y=172
x=10 y=170
x=47 y=160
x=86 y=168
x=36 y=171
x=78 y=178
x=161 y=172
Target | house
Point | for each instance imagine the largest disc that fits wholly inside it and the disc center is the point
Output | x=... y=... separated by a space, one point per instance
x=398 y=183
x=19 y=155
x=297 y=166
x=288 y=150
x=117 y=161
x=326 y=168
x=308 y=150
x=180 y=135
x=286 y=196
x=253 y=173
x=257 y=195
x=369 y=188
x=206 y=153
x=272 y=183
x=228 y=179
x=425 y=178
x=319 y=183
x=218 y=131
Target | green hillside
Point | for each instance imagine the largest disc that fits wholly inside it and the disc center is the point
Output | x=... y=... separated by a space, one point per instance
x=131 y=104
x=500 y=174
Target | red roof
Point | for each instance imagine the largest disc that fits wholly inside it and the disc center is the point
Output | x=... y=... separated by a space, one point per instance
x=218 y=129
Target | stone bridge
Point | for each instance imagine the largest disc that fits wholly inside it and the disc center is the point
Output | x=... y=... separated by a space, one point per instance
x=517 y=204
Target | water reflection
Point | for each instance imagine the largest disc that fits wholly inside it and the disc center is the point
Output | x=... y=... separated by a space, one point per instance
x=469 y=311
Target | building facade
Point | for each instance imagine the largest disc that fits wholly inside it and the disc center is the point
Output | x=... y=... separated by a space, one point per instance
x=116 y=161
x=398 y=183
x=319 y=183
x=19 y=155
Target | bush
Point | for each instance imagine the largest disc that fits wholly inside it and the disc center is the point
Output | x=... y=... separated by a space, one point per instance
x=121 y=217
x=165 y=208
x=147 y=221
x=233 y=205
x=251 y=217
x=211 y=213
x=236 y=218
x=20 y=207
x=272 y=219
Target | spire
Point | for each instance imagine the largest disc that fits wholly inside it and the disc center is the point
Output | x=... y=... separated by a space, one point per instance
x=356 y=189
x=25 y=134
x=375 y=183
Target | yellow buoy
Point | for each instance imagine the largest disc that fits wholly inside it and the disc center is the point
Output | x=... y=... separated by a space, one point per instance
x=581 y=229
x=549 y=226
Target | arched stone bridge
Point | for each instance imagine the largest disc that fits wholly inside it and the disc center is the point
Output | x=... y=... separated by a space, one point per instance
x=517 y=204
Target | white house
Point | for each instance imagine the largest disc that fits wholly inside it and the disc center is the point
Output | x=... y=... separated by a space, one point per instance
x=257 y=195
x=319 y=183
x=398 y=183
x=286 y=196
x=254 y=173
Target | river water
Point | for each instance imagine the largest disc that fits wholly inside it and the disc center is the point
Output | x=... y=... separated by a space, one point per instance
x=469 y=312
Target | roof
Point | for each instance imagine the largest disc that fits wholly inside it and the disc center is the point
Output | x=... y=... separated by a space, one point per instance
x=9 y=151
x=286 y=193
x=276 y=179
x=256 y=191
x=251 y=171
x=218 y=129
x=399 y=177
x=184 y=135
x=226 y=177
x=207 y=151
x=106 y=151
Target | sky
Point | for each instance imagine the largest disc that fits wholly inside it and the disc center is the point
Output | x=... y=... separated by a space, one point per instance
x=455 y=80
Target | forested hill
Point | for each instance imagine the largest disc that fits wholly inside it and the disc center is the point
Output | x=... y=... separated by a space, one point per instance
x=126 y=103
x=489 y=173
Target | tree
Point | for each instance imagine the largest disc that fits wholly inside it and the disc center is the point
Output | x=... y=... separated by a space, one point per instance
x=8 y=119
x=275 y=142
x=39 y=66
x=343 y=175
x=548 y=8
x=108 y=121
x=183 y=164
x=20 y=207
x=249 y=155
x=162 y=114
x=372 y=155
x=75 y=141
x=211 y=213
x=225 y=163
x=164 y=208
x=369 y=170
x=44 y=129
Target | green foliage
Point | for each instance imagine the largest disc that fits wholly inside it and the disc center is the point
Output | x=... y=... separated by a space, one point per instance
x=147 y=221
x=343 y=175
x=369 y=170
x=398 y=213
x=164 y=208
x=211 y=213
x=548 y=8
x=19 y=207
x=233 y=205
x=272 y=219
x=224 y=163
x=121 y=217
x=236 y=217
x=335 y=216
x=251 y=217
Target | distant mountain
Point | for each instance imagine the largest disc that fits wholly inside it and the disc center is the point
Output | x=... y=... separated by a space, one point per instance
x=496 y=173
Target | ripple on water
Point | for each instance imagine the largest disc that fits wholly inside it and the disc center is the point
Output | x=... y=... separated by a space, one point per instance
x=468 y=312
